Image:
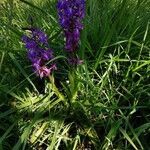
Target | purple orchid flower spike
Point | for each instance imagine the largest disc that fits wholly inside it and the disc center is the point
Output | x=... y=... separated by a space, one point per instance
x=71 y=13
x=38 y=52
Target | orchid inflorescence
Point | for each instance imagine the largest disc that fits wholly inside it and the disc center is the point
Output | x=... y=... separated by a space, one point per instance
x=39 y=52
x=71 y=13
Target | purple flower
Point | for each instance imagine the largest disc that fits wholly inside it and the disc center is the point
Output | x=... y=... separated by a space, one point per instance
x=44 y=71
x=75 y=61
x=38 y=52
x=39 y=36
x=71 y=13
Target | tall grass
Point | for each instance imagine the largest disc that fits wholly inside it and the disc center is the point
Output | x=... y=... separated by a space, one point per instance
x=103 y=104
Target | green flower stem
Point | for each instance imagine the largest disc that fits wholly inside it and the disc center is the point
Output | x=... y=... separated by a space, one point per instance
x=73 y=85
x=55 y=89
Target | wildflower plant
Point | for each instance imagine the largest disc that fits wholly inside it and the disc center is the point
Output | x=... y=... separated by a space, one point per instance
x=70 y=15
x=40 y=54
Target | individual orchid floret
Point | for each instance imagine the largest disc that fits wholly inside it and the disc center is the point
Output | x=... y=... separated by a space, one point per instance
x=75 y=61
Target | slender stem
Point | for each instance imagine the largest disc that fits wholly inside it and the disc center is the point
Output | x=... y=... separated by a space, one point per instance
x=55 y=89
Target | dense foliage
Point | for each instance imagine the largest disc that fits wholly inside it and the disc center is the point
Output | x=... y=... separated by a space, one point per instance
x=74 y=75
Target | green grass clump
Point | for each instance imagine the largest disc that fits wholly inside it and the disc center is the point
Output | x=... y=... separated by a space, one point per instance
x=103 y=104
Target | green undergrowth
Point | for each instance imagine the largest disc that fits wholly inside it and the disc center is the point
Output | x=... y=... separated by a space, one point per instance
x=102 y=104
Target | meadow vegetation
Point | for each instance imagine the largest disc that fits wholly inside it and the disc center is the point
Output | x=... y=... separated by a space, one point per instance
x=102 y=104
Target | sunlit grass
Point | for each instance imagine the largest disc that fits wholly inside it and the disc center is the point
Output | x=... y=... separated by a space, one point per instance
x=103 y=104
